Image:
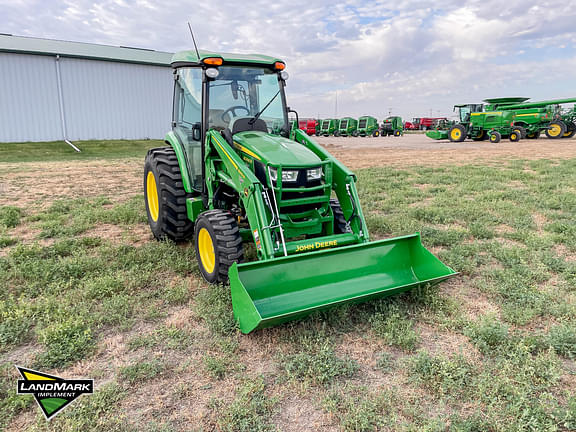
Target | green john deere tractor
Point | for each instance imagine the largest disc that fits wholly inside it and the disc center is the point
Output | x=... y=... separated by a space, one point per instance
x=228 y=176
x=367 y=126
x=392 y=126
x=328 y=127
x=347 y=127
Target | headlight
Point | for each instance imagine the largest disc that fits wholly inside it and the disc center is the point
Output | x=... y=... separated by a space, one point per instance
x=314 y=173
x=287 y=175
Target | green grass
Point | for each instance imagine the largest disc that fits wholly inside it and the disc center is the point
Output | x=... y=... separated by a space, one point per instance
x=59 y=150
x=250 y=411
x=493 y=349
x=141 y=371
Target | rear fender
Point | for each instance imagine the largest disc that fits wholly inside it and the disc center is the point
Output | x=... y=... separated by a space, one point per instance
x=173 y=142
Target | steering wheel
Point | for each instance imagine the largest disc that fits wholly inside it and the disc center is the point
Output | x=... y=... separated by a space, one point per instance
x=232 y=110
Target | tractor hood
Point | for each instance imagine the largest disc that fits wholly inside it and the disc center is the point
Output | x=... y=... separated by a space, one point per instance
x=274 y=149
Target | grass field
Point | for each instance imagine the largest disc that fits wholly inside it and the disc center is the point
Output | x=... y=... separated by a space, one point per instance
x=88 y=293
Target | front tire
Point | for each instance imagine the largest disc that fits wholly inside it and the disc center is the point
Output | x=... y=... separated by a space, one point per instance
x=397 y=133
x=521 y=130
x=218 y=244
x=495 y=137
x=165 y=197
x=533 y=135
x=457 y=133
x=556 y=130
x=376 y=133
x=515 y=136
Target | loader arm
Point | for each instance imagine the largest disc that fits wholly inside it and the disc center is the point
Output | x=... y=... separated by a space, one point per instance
x=240 y=178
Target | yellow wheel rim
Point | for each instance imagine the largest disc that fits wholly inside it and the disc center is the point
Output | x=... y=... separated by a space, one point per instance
x=455 y=134
x=555 y=130
x=152 y=196
x=206 y=250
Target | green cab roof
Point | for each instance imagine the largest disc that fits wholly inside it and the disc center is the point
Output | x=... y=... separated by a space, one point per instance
x=190 y=57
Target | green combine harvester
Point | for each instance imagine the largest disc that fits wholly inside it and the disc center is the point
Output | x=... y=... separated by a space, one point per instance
x=479 y=125
x=347 y=127
x=367 y=126
x=533 y=118
x=228 y=175
x=328 y=127
x=392 y=125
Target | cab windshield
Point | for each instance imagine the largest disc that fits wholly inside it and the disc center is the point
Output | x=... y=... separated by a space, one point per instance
x=241 y=91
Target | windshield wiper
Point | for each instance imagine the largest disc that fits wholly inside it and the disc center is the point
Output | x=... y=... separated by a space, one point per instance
x=259 y=113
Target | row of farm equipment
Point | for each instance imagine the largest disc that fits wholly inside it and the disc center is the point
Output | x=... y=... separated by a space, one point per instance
x=364 y=126
x=513 y=118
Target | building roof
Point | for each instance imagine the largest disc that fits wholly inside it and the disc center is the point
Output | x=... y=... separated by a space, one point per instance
x=190 y=57
x=38 y=46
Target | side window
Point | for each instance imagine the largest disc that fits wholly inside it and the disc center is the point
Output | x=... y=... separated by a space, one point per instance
x=188 y=118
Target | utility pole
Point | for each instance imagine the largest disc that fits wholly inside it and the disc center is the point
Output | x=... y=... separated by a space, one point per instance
x=336 y=106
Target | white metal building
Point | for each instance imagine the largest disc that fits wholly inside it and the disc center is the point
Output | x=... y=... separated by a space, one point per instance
x=54 y=90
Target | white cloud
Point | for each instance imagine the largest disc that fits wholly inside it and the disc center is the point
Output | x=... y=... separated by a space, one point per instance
x=410 y=56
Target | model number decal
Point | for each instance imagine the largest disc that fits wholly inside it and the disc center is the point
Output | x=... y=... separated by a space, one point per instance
x=316 y=245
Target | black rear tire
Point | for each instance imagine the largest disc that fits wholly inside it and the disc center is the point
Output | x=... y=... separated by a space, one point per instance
x=397 y=133
x=217 y=229
x=340 y=224
x=533 y=135
x=570 y=130
x=166 y=208
x=495 y=137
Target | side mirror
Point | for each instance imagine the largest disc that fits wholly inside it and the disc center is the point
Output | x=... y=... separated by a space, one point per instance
x=297 y=119
x=196 y=132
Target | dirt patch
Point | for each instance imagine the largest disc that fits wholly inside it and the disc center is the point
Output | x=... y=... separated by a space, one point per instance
x=473 y=303
x=563 y=252
x=417 y=149
x=135 y=235
x=300 y=415
x=38 y=184
x=446 y=343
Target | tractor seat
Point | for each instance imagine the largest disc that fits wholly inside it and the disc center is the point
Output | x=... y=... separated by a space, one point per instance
x=242 y=124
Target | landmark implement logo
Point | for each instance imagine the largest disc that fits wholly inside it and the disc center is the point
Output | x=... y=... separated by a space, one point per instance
x=52 y=393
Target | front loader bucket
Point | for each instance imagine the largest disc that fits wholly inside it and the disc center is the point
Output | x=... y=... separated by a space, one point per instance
x=267 y=293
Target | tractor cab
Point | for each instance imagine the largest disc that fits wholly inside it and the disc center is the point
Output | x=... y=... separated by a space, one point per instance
x=465 y=111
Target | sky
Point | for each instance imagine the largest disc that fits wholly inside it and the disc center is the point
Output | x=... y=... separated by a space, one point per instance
x=352 y=57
